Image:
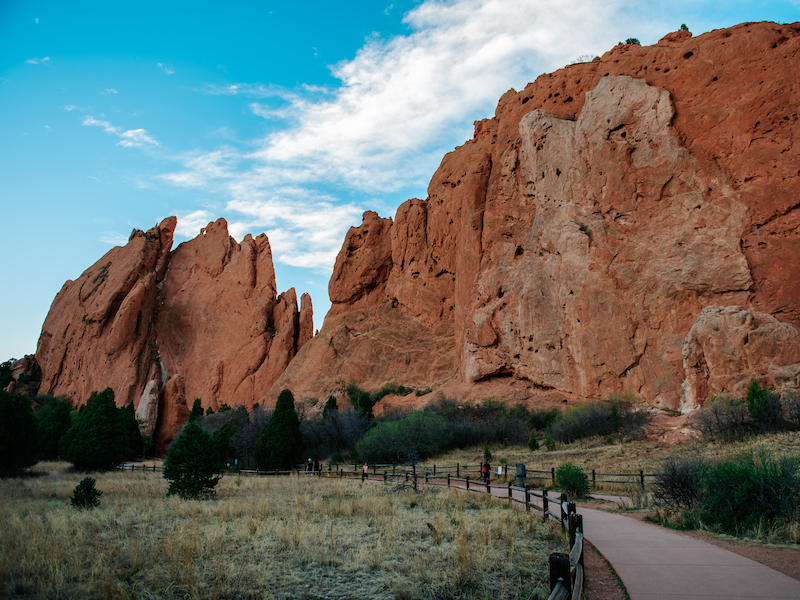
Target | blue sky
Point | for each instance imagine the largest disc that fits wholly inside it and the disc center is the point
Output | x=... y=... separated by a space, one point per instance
x=285 y=118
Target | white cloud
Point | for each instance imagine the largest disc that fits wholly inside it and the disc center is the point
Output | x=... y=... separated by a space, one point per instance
x=38 y=61
x=114 y=238
x=167 y=69
x=47 y=127
x=402 y=103
x=69 y=107
x=109 y=92
x=131 y=138
x=36 y=20
x=190 y=224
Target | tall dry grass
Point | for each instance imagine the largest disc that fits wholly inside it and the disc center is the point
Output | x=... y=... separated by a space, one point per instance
x=265 y=538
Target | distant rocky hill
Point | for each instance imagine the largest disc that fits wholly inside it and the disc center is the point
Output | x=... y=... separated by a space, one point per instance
x=631 y=223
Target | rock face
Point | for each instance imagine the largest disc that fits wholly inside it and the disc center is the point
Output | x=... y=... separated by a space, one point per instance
x=203 y=321
x=571 y=246
x=728 y=347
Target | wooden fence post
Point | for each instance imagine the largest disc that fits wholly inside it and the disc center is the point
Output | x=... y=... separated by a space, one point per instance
x=641 y=478
x=434 y=468
x=467 y=482
x=510 y=498
x=594 y=479
x=415 y=482
x=426 y=478
x=545 y=502
x=527 y=498
x=458 y=470
x=562 y=502
x=448 y=480
x=384 y=477
x=559 y=571
x=553 y=476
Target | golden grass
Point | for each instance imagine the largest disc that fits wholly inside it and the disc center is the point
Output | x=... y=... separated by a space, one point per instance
x=265 y=538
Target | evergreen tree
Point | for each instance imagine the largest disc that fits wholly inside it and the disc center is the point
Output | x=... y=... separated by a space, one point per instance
x=103 y=435
x=197 y=410
x=280 y=444
x=330 y=406
x=135 y=442
x=54 y=421
x=19 y=433
x=191 y=466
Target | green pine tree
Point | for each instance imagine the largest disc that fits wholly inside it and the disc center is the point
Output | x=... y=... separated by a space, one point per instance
x=280 y=444
x=135 y=442
x=191 y=466
x=54 y=421
x=197 y=410
x=19 y=433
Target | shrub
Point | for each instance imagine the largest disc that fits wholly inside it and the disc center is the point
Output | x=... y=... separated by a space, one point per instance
x=752 y=489
x=487 y=454
x=764 y=408
x=633 y=41
x=791 y=409
x=191 y=466
x=533 y=443
x=413 y=437
x=280 y=444
x=85 y=495
x=582 y=421
x=423 y=391
x=722 y=418
x=54 y=421
x=679 y=482
x=542 y=418
x=573 y=480
x=549 y=442
x=19 y=433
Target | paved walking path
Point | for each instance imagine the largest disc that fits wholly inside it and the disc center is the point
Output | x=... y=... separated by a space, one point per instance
x=658 y=564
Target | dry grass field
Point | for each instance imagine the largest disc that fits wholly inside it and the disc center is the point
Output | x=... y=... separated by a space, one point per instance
x=265 y=538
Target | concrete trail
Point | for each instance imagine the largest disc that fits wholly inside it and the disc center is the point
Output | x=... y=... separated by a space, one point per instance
x=658 y=564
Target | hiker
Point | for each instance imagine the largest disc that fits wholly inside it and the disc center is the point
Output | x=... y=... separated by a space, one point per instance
x=487 y=469
x=309 y=466
x=365 y=468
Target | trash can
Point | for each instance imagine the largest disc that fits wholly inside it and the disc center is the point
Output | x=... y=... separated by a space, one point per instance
x=521 y=475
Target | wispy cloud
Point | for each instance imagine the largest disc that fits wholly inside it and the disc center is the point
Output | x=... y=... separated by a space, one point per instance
x=114 y=238
x=109 y=92
x=401 y=104
x=168 y=69
x=130 y=138
x=36 y=20
x=69 y=107
x=47 y=127
x=38 y=61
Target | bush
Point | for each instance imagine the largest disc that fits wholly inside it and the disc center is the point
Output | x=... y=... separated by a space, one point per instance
x=414 y=437
x=791 y=409
x=573 y=480
x=533 y=443
x=615 y=415
x=679 y=482
x=542 y=418
x=280 y=444
x=85 y=495
x=764 y=408
x=197 y=410
x=19 y=433
x=191 y=466
x=633 y=41
x=722 y=418
x=54 y=421
x=103 y=436
x=752 y=489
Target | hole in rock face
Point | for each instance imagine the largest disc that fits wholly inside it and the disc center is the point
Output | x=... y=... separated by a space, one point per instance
x=714 y=78
x=519 y=251
x=688 y=55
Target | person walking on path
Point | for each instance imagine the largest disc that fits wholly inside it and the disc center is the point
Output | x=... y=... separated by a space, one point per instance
x=487 y=469
x=365 y=470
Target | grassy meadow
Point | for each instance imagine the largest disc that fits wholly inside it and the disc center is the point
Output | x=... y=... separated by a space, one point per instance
x=263 y=537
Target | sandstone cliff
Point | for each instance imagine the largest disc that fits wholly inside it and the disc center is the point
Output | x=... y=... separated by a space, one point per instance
x=163 y=327
x=570 y=248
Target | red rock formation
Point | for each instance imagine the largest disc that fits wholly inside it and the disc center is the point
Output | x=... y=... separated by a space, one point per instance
x=571 y=245
x=204 y=319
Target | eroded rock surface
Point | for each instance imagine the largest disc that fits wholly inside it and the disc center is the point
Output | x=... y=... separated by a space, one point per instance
x=204 y=320
x=572 y=244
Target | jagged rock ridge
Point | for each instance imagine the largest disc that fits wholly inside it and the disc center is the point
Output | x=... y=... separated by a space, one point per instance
x=163 y=327
x=569 y=249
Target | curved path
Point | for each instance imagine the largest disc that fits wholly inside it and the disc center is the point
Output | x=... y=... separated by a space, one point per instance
x=658 y=564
